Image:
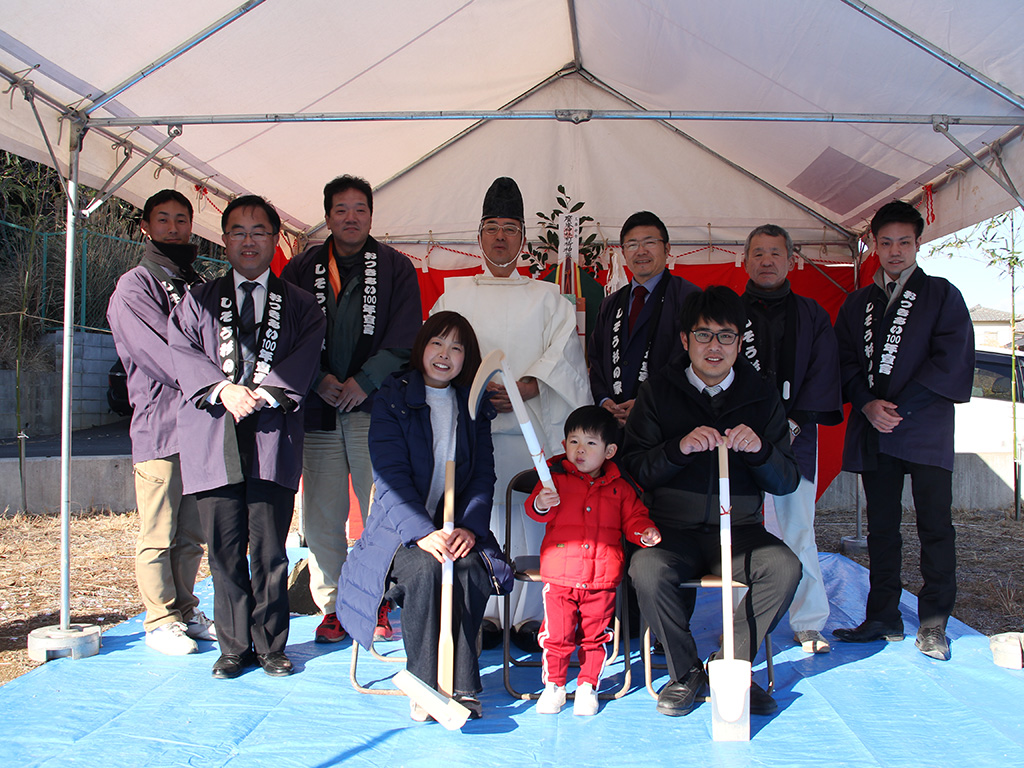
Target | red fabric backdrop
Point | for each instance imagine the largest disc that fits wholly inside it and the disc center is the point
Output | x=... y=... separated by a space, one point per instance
x=806 y=282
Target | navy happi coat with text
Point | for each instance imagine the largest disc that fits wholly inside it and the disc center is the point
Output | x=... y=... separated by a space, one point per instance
x=918 y=354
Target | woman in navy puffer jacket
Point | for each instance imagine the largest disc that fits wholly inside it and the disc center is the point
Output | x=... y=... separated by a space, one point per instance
x=421 y=420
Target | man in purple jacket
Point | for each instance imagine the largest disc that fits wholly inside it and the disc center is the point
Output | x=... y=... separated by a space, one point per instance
x=245 y=350
x=170 y=543
x=906 y=355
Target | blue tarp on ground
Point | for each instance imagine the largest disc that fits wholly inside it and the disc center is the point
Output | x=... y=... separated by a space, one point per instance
x=862 y=705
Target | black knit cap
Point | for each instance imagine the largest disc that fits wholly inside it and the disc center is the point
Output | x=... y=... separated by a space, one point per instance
x=503 y=200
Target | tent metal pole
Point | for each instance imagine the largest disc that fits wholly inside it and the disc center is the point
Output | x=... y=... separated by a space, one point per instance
x=1007 y=187
x=930 y=48
x=562 y=115
x=167 y=58
x=66 y=377
x=577 y=56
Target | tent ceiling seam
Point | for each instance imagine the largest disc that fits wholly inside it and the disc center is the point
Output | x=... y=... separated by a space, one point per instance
x=173 y=54
x=933 y=50
x=568 y=69
x=770 y=187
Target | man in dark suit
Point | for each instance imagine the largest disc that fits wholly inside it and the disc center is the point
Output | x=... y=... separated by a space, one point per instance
x=637 y=330
x=245 y=350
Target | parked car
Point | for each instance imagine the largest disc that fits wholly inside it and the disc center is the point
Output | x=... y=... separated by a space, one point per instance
x=985 y=424
x=117 y=390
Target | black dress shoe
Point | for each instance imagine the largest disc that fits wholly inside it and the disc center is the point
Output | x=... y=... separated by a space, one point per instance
x=761 y=702
x=931 y=641
x=491 y=633
x=470 y=702
x=525 y=637
x=275 y=663
x=869 y=631
x=231 y=665
x=679 y=697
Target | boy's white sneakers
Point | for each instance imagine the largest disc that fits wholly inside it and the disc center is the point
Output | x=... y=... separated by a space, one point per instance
x=585 y=702
x=552 y=700
x=171 y=639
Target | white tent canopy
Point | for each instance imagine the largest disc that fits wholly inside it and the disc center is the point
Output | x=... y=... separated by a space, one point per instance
x=716 y=115
x=808 y=113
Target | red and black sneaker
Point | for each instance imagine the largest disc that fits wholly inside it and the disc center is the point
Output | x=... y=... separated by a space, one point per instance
x=383 y=630
x=330 y=630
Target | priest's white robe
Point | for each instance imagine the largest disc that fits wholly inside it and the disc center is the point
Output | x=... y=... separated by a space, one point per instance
x=535 y=326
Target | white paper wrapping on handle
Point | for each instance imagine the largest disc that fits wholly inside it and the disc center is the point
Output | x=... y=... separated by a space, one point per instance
x=523 y=417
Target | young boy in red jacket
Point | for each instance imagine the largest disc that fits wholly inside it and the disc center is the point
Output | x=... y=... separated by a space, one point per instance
x=581 y=558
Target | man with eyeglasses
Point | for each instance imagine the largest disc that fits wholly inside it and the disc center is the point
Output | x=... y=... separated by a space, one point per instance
x=245 y=350
x=681 y=415
x=789 y=339
x=370 y=296
x=637 y=329
x=536 y=329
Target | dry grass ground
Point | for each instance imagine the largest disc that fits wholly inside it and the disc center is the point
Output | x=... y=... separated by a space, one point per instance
x=990 y=573
x=103 y=592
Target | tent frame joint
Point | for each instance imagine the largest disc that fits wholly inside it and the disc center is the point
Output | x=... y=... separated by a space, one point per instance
x=108 y=191
x=1005 y=184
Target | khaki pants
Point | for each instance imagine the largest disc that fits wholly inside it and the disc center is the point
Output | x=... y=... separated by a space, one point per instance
x=328 y=458
x=170 y=543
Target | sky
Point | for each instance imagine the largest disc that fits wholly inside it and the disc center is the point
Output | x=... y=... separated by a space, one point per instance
x=968 y=270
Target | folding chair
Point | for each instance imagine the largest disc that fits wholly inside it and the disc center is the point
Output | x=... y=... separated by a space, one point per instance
x=527 y=569
x=705 y=582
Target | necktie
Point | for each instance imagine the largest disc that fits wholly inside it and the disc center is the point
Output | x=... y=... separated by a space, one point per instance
x=891 y=286
x=713 y=390
x=639 y=293
x=247 y=331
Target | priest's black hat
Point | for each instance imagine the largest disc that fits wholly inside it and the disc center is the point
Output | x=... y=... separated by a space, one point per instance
x=503 y=200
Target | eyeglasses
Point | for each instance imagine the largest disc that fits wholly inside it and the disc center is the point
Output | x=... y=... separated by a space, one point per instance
x=510 y=230
x=632 y=246
x=258 y=236
x=725 y=338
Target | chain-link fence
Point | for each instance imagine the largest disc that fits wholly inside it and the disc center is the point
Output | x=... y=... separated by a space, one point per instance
x=32 y=285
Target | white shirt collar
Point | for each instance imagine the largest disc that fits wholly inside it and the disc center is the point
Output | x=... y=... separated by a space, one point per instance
x=262 y=279
x=700 y=386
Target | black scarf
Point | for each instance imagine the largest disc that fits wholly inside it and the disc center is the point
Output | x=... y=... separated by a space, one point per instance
x=769 y=351
x=177 y=257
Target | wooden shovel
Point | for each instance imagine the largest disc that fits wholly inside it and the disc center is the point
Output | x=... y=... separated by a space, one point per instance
x=729 y=676
x=439 y=704
x=446 y=641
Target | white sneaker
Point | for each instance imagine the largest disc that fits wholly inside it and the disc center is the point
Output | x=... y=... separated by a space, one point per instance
x=200 y=627
x=171 y=639
x=585 y=702
x=552 y=700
